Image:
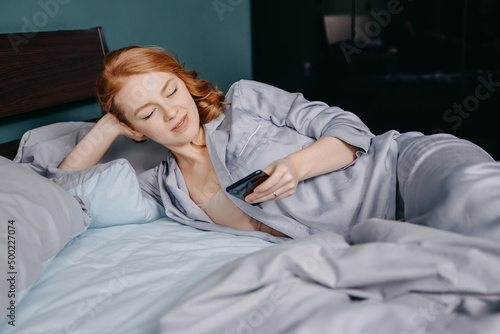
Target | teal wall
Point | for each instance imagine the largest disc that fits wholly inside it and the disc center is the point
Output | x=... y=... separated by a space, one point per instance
x=210 y=36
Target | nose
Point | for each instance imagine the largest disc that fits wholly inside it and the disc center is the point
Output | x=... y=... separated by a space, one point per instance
x=169 y=113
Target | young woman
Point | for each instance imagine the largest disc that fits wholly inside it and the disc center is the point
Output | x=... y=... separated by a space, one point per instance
x=327 y=170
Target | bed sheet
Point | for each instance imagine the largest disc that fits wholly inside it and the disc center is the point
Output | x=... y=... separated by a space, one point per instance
x=122 y=279
x=395 y=277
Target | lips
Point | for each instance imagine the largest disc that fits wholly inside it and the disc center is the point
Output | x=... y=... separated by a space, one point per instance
x=181 y=125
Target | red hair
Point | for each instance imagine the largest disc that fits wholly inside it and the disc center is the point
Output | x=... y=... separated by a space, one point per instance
x=133 y=60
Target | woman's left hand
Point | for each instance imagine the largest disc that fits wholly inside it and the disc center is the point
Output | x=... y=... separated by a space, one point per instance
x=282 y=182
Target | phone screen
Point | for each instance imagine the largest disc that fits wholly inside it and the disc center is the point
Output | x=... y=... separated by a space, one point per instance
x=246 y=185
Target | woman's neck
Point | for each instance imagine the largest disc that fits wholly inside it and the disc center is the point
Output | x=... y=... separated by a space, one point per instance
x=192 y=153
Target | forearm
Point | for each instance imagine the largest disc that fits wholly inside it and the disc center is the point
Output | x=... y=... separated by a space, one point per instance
x=92 y=147
x=325 y=155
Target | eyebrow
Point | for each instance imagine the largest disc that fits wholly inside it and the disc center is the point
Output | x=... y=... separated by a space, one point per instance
x=162 y=92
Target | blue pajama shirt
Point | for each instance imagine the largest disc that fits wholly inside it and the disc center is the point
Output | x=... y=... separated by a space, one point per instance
x=263 y=123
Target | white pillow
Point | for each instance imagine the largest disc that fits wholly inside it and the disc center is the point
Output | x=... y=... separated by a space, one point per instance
x=37 y=219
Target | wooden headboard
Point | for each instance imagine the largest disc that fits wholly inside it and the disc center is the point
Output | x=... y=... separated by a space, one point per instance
x=46 y=69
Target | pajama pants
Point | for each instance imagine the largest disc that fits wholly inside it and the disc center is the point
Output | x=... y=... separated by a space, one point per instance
x=448 y=183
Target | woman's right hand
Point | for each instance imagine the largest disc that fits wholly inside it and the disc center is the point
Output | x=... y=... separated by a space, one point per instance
x=89 y=151
x=110 y=125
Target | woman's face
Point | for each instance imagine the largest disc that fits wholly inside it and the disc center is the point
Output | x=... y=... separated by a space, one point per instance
x=159 y=106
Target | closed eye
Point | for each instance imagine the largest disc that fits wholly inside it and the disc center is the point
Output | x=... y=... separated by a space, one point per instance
x=150 y=114
x=175 y=90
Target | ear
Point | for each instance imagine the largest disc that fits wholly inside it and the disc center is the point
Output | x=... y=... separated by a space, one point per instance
x=137 y=134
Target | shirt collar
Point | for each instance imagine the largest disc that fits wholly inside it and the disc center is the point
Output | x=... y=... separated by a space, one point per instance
x=214 y=124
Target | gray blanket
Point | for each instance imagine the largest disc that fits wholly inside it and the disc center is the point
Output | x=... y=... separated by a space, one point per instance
x=393 y=278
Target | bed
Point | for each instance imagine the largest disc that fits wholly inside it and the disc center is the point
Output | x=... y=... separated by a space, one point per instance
x=89 y=252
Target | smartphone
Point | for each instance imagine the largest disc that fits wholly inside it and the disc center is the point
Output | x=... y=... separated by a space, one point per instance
x=244 y=187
